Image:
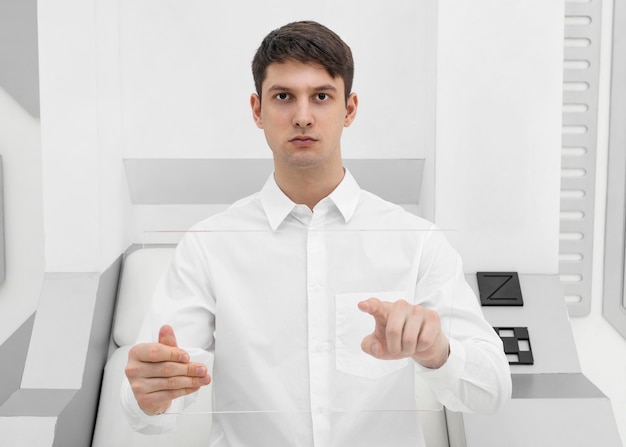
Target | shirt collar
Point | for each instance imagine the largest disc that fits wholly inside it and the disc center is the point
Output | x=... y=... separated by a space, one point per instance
x=277 y=205
x=346 y=196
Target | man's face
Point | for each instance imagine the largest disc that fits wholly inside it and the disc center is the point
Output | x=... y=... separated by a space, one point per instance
x=303 y=113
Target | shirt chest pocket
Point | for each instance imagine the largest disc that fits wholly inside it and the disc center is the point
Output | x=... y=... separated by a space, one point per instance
x=351 y=326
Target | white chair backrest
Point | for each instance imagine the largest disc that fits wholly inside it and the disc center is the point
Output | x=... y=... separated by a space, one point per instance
x=141 y=272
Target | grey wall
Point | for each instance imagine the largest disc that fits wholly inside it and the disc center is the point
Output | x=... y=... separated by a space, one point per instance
x=75 y=409
x=19 y=64
x=2 y=251
x=614 y=304
x=76 y=422
x=223 y=181
x=13 y=354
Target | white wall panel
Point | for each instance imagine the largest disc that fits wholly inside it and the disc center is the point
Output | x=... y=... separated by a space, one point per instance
x=67 y=58
x=186 y=80
x=186 y=77
x=85 y=200
x=498 y=132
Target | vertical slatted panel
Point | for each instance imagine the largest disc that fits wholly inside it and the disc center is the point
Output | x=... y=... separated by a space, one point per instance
x=580 y=112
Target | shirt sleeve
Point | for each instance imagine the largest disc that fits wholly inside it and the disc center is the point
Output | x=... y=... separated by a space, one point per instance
x=476 y=377
x=184 y=300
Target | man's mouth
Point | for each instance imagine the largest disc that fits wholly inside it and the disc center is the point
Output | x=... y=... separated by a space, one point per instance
x=302 y=140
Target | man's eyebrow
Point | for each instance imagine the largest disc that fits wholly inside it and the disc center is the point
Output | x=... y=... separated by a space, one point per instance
x=277 y=88
x=281 y=88
x=325 y=87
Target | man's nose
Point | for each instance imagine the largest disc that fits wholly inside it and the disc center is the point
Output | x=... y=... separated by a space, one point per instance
x=303 y=116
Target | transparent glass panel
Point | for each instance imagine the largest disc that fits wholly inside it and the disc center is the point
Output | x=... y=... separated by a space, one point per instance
x=288 y=356
x=315 y=282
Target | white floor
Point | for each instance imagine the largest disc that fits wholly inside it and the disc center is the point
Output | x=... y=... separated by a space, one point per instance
x=595 y=337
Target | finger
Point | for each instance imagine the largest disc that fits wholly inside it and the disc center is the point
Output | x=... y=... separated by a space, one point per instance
x=370 y=305
x=412 y=330
x=376 y=308
x=157 y=384
x=156 y=353
x=197 y=370
x=167 y=336
x=394 y=329
x=429 y=332
x=173 y=369
x=373 y=346
x=179 y=382
x=433 y=347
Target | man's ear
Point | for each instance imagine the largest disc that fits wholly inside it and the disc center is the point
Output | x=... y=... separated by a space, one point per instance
x=352 y=105
x=255 y=104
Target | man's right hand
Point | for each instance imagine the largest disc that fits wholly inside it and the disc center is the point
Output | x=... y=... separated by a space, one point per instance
x=160 y=372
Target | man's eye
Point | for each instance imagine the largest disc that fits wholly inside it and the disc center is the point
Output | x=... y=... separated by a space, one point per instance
x=282 y=96
x=323 y=97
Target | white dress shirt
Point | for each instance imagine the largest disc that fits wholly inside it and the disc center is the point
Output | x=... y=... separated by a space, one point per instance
x=270 y=289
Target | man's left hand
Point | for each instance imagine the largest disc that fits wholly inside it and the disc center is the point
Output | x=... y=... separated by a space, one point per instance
x=405 y=330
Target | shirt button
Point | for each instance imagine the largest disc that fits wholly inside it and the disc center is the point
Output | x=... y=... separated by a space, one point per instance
x=322 y=347
x=316 y=288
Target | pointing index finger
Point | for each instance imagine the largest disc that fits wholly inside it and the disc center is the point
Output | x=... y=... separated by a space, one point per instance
x=374 y=307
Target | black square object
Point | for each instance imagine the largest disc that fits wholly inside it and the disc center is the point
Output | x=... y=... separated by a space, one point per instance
x=499 y=289
x=516 y=343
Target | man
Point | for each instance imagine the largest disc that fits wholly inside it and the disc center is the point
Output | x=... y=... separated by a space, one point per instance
x=285 y=287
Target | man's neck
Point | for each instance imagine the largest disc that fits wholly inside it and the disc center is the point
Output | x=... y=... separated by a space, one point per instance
x=308 y=186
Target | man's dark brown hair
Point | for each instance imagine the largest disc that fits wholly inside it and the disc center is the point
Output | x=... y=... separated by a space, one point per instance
x=307 y=42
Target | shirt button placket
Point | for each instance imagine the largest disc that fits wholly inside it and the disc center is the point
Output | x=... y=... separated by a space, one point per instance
x=318 y=331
